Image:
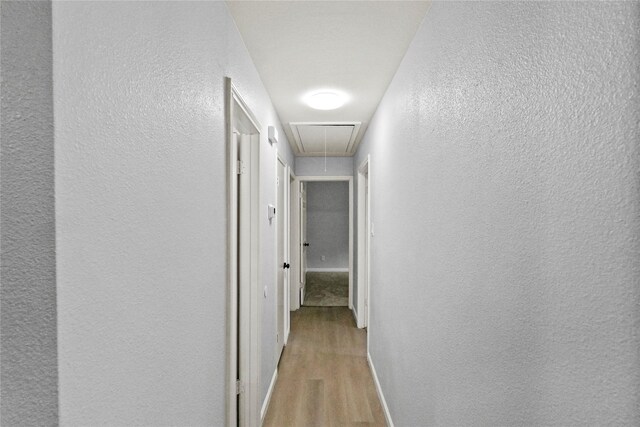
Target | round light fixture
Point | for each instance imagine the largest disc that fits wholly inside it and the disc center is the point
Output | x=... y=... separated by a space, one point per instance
x=325 y=100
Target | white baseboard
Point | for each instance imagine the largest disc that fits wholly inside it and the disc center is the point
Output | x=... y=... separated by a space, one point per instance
x=328 y=270
x=385 y=408
x=267 y=399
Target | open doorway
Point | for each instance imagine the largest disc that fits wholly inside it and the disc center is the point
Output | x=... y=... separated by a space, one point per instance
x=243 y=273
x=364 y=236
x=325 y=242
x=294 y=239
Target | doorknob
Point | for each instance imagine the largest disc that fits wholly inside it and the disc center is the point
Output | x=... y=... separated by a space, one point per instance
x=286 y=265
x=305 y=244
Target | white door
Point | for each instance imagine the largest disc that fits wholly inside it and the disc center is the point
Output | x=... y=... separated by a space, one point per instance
x=282 y=261
x=303 y=238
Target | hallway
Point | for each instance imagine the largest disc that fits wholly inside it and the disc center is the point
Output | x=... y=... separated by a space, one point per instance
x=323 y=376
x=153 y=156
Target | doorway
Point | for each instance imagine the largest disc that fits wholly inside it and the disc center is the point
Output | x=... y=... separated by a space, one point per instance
x=294 y=238
x=243 y=273
x=303 y=239
x=313 y=260
x=364 y=246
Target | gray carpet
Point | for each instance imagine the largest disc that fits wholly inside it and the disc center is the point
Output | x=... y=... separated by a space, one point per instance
x=326 y=290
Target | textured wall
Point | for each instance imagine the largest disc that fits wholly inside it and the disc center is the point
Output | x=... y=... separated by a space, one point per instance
x=140 y=204
x=314 y=166
x=505 y=273
x=328 y=224
x=28 y=265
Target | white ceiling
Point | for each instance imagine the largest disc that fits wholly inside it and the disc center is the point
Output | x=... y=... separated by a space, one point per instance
x=351 y=46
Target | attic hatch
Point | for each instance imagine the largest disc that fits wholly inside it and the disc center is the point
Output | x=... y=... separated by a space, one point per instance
x=310 y=138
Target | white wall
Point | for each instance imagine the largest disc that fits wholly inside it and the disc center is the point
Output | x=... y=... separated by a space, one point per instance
x=315 y=166
x=29 y=395
x=328 y=224
x=505 y=187
x=140 y=203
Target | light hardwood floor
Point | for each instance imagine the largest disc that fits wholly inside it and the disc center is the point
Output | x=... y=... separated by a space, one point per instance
x=323 y=377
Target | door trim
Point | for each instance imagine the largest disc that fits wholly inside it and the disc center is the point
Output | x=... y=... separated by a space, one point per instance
x=294 y=255
x=349 y=179
x=364 y=226
x=243 y=321
x=287 y=202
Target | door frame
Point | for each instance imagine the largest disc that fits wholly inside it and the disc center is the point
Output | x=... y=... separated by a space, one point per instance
x=364 y=243
x=349 y=179
x=302 y=225
x=243 y=326
x=294 y=255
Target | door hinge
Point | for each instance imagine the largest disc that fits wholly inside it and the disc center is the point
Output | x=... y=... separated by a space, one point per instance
x=240 y=168
x=278 y=182
x=239 y=387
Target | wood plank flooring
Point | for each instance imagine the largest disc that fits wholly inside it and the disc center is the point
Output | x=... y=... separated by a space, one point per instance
x=323 y=377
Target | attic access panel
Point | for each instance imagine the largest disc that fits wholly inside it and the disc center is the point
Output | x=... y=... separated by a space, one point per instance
x=340 y=138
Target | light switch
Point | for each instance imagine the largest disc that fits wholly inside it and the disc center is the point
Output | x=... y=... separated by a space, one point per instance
x=272 y=211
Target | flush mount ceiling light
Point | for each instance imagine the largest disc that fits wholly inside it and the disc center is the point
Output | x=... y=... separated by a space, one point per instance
x=325 y=99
